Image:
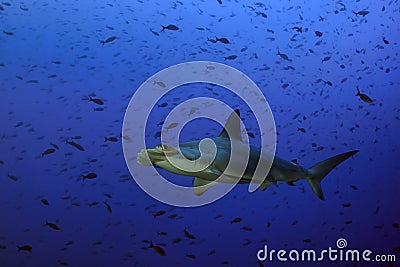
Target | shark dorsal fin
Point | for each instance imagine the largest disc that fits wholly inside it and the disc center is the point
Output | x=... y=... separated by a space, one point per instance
x=233 y=124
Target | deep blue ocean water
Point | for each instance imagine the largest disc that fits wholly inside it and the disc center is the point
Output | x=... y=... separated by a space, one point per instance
x=52 y=60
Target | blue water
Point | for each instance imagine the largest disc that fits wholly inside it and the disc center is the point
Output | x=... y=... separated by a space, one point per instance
x=51 y=60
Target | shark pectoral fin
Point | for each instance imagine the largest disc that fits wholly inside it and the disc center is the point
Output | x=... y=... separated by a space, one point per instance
x=200 y=185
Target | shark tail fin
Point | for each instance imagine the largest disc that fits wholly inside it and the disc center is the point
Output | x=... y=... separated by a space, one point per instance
x=318 y=172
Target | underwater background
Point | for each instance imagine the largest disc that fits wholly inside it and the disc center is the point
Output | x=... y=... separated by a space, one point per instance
x=69 y=68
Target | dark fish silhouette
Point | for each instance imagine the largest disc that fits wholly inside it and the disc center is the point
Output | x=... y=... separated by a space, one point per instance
x=52 y=225
x=363 y=97
x=25 y=248
x=158 y=249
x=96 y=100
x=188 y=235
x=91 y=175
x=48 y=152
x=283 y=56
x=108 y=40
x=232 y=57
x=108 y=207
x=158 y=213
x=45 y=202
x=361 y=13
x=222 y=40
x=110 y=139
x=77 y=146
x=170 y=27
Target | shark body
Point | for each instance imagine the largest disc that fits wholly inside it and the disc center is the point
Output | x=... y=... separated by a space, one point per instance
x=281 y=170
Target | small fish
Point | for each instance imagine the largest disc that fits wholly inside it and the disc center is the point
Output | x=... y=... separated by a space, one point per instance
x=19 y=124
x=191 y=256
x=48 y=152
x=247 y=228
x=222 y=40
x=23 y=8
x=219 y=2
x=98 y=109
x=192 y=110
x=52 y=225
x=25 y=248
x=353 y=187
x=158 y=213
x=96 y=100
x=213 y=251
x=262 y=14
x=91 y=175
x=154 y=32
x=170 y=27
x=232 y=57
x=110 y=139
x=77 y=146
x=363 y=97
x=69 y=243
x=307 y=240
x=108 y=207
x=361 y=13
x=172 y=125
x=236 y=220
x=298 y=29
x=326 y=58
x=283 y=56
x=8 y=33
x=250 y=134
x=162 y=233
x=163 y=105
x=12 y=177
x=107 y=195
x=300 y=129
x=346 y=205
x=45 y=202
x=158 y=249
x=318 y=33
x=161 y=84
x=385 y=41
x=108 y=40
x=188 y=235
x=55 y=146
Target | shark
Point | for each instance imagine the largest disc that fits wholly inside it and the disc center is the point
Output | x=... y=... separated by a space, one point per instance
x=281 y=170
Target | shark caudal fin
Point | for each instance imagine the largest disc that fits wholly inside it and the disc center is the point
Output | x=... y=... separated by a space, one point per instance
x=318 y=172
